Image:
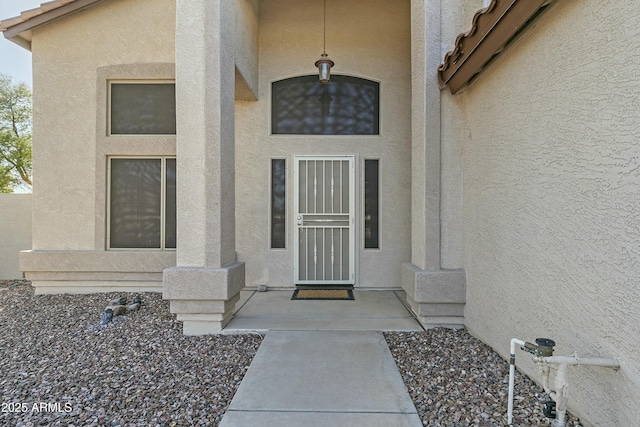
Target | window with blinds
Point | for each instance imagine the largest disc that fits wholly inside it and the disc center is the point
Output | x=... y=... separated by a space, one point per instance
x=142 y=203
x=142 y=108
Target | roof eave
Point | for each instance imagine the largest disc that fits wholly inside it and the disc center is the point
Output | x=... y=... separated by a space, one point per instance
x=493 y=28
x=20 y=40
x=18 y=29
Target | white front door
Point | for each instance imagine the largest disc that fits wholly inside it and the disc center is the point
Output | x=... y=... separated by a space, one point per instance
x=324 y=243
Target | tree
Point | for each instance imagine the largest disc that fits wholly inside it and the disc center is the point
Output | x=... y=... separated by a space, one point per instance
x=15 y=134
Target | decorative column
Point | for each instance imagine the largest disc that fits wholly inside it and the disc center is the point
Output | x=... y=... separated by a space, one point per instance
x=436 y=295
x=205 y=285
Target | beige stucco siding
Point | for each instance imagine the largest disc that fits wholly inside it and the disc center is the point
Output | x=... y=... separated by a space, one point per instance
x=369 y=39
x=457 y=14
x=66 y=58
x=246 y=20
x=73 y=60
x=15 y=232
x=551 y=196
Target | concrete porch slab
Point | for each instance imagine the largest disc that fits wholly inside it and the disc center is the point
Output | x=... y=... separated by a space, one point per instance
x=274 y=310
x=315 y=378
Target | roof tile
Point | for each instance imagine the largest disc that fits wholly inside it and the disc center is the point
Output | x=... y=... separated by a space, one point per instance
x=31 y=13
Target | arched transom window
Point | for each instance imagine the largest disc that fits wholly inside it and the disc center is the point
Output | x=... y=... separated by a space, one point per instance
x=346 y=106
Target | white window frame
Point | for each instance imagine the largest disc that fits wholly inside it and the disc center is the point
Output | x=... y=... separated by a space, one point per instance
x=163 y=200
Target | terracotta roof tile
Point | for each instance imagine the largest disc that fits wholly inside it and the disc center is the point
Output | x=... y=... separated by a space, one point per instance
x=492 y=28
x=30 y=13
x=27 y=15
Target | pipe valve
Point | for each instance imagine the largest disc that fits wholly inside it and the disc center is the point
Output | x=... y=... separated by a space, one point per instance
x=543 y=347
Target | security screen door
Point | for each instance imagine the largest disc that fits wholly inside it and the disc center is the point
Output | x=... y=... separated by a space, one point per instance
x=324 y=243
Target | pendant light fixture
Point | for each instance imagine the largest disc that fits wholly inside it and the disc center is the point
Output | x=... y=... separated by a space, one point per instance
x=324 y=64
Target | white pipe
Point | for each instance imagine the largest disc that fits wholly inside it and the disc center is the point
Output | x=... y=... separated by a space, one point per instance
x=575 y=360
x=545 y=369
x=560 y=395
x=512 y=373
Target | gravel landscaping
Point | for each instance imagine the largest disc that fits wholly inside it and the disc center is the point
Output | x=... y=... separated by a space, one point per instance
x=138 y=370
x=60 y=367
x=456 y=380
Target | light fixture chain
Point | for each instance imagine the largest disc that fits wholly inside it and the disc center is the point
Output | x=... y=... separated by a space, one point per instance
x=324 y=64
x=324 y=28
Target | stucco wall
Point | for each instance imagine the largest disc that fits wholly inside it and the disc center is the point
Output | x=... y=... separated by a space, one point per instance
x=73 y=59
x=455 y=15
x=15 y=232
x=246 y=16
x=66 y=58
x=551 y=196
x=369 y=39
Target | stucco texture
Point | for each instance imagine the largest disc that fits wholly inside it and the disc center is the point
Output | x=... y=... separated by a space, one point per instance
x=15 y=232
x=73 y=59
x=369 y=39
x=66 y=57
x=551 y=165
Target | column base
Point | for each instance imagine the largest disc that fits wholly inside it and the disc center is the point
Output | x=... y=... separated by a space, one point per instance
x=436 y=297
x=203 y=298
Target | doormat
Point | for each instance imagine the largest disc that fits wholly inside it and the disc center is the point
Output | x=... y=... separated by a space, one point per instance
x=322 y=294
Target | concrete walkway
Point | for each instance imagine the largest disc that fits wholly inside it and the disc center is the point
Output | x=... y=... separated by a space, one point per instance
x=322 y=378
x=322 y=363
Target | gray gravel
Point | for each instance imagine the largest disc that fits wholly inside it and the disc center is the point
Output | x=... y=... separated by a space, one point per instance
x=456 y=380
x=139 y=370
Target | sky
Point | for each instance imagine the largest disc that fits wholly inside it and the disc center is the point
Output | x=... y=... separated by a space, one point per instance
x=15 y=61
